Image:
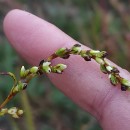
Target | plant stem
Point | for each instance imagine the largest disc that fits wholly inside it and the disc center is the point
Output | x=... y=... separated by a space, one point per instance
x=28 y=114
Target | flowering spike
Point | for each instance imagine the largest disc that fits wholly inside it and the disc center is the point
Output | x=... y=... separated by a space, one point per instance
x=45 y=66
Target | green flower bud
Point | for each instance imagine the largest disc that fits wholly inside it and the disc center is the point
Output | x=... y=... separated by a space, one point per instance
x=16 y=89
x=46 y=67
x=3 y=111
x=15 y=116
x=60 y=51
x=103 y=69
x=102 y=54
x=85 y=55
x=15 y=112
x=109 y=68
x=34 y=69
x=99 y=54
x=94 y=52
x=63 y=53
x=23 y=72
x=20 y=86
x=125 y=82
x=99 y=60
x=76 y=49
x=114 y=81
x=59 y=68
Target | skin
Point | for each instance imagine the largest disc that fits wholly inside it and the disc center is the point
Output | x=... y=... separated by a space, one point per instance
x=83 y=82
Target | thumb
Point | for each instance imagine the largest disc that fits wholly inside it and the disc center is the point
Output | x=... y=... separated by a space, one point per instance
x=35 y=39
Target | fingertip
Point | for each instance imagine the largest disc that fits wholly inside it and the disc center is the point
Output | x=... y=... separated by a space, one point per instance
x=10 y=18
x=32 y=36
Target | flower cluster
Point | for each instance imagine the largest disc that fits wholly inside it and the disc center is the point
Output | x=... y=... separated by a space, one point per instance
x=14 y=112
x=45 y=67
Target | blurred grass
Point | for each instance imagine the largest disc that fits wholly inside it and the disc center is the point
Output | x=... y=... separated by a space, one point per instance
x=99 y=24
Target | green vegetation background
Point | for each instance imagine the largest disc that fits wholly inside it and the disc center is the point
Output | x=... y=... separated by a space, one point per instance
x=99 y=24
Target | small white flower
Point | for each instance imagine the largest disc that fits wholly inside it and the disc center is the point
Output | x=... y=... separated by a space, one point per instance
x=46 y=64
x=62 y=66
x=20 y=112
x=12 y=110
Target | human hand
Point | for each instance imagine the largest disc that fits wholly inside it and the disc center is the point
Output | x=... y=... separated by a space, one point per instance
x=35 y=39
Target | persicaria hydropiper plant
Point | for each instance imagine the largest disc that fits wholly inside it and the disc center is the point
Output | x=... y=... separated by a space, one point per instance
x=45 y=67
